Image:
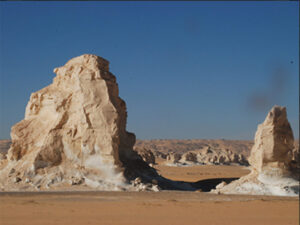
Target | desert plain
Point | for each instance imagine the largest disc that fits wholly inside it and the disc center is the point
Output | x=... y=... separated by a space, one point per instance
x=164 y=207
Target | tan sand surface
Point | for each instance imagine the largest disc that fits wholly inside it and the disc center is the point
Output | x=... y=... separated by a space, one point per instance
x=200 y=172
x=135 y=208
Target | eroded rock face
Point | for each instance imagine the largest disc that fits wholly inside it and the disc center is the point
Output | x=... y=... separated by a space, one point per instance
x=206 y=156
x=190 y=157
x=272 y=160
x=220 y=157
x=74 y=128
x=274 y=142
x=173 y=158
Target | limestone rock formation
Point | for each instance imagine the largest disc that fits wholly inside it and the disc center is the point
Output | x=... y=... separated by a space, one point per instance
x=173 y=158
x=271 y=160
x=206 y=156
x=190 y=157
x=160 y=155
x=74 y=131
x=182 y=146
x=274 y=142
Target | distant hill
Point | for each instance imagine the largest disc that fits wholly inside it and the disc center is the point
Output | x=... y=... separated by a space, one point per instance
x=182 y=146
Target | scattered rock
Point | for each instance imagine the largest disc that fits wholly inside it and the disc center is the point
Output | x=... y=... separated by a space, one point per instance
x=208 y=156
x=159 y=154
x=155 y=188
x=190 y=157
x=173 y=157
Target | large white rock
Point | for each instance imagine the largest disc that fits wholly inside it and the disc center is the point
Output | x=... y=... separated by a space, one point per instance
x=73 y=132
x=273 y=170
x=274 y=142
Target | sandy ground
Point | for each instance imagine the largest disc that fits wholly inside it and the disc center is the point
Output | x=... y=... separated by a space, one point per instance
x=166 y=207
x=201 y=172
x=146 y=208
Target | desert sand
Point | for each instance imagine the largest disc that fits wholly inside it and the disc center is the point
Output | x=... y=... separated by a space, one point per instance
x=200 y=172
x=165 y=207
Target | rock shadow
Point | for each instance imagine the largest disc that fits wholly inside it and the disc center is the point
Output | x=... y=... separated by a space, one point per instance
x=135 y=167
x=209 y=184
x=202 y=185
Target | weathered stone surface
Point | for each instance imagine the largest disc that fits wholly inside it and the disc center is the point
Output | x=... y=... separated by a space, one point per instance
x=182 y=146
x=173 y=158
x=274 y=171
x=79 y=115
x=274 y=142
x=190 y=157
x=160 y=155
x=206 y=156
x=75 y=130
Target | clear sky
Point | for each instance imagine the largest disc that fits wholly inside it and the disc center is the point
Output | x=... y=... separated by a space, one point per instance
x=185 y=69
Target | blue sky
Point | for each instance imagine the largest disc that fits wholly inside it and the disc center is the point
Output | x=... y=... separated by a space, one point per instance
x=185 y=69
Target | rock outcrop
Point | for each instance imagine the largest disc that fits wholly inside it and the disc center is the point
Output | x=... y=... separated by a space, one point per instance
x=190 y=157
x=197 y=152
x=182 y=146
x=173 y=158
x=74 y=132
x=271 y=159
x=206 y=156
x=160 y=155
x=220 y=157
x=274 y=143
